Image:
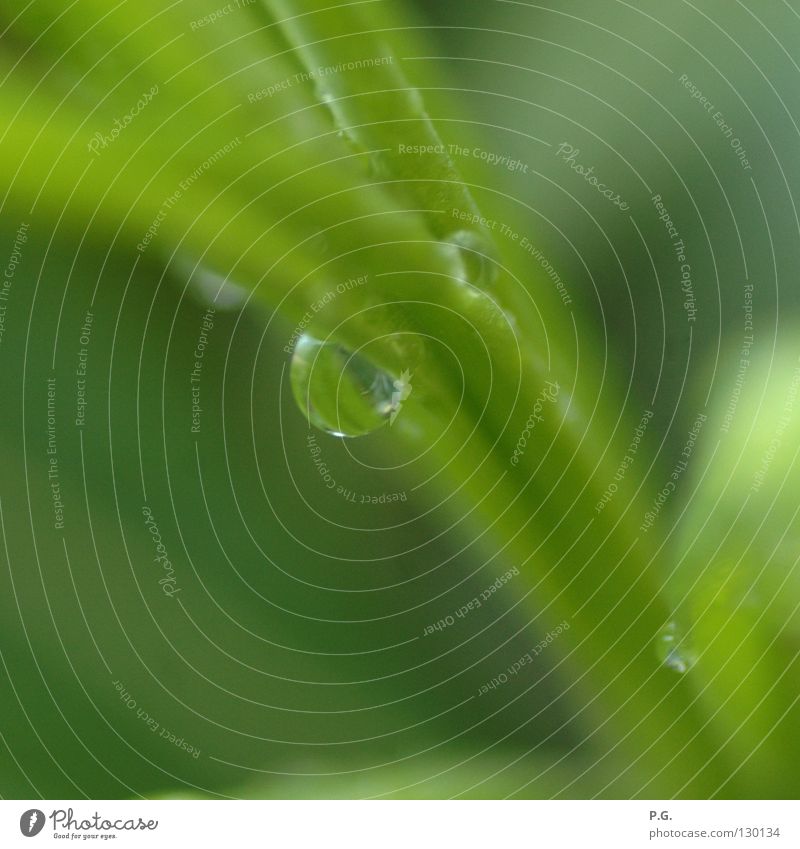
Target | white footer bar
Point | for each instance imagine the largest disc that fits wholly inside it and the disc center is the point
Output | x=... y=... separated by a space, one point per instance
x=404 y=825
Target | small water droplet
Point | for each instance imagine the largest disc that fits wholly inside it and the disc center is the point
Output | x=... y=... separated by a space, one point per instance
x=350 y=138
x=379 y=166
x=324 y=94
x=342 y=392
x=223 y=294
x=477 y=256
x=673 y=649
x=339 y=115
x=208 y=287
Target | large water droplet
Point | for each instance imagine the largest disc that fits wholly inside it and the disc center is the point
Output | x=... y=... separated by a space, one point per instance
x=342 y=392
x=673 y=649
x=477 y=256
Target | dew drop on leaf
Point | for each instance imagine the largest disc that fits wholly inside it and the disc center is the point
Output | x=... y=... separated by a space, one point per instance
x=218 y=291
x=207 y=286
x=673 y=649
x=343 y=130
x=477 y=256
x=379 y=166
x=342 y=392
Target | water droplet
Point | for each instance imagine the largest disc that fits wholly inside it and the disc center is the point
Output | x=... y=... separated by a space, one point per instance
x=324 y=94
x=219 y=291
x=477 y=256
x=379 y=166
x=673 y=649
x=342 y=392
x=338 y=113
x=350 y=138
x=209 y=287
